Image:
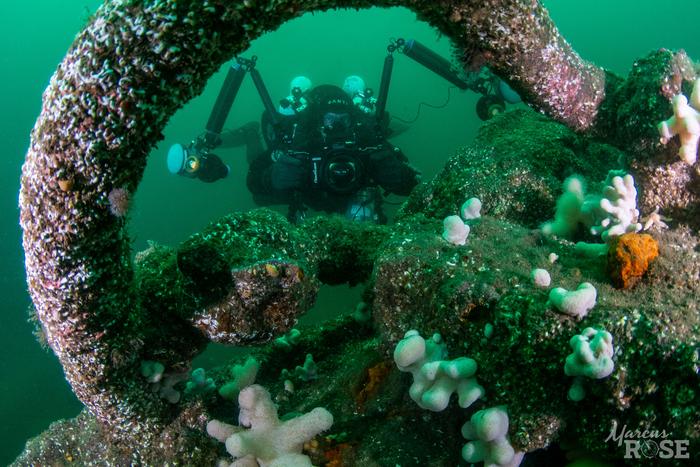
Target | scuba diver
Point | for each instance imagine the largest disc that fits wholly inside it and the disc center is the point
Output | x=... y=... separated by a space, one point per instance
x=331 y=156
x=324 y=147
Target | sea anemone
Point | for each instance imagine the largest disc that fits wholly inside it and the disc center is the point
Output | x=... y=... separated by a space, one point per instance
x=119 y=201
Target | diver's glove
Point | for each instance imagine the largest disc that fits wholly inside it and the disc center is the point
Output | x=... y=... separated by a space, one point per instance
x=288 y=173
x=211 y=168
x=390 y=170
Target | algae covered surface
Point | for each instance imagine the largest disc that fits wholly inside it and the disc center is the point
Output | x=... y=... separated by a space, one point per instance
x=130 y=320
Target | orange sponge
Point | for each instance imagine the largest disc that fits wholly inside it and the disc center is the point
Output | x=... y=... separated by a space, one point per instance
x=629 y=258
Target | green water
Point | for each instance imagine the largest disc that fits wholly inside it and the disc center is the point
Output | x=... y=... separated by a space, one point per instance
x=326 y=47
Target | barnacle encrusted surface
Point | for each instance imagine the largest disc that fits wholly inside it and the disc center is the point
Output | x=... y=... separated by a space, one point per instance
x=132 y=66
x=135 y=63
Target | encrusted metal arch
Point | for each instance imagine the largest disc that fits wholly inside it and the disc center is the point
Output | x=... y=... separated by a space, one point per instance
x=133 y=65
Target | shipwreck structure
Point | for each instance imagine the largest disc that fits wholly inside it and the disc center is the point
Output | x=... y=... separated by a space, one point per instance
x=245 y=278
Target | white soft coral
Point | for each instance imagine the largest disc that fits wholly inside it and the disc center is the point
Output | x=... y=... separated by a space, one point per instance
x=609 y=214
x=685 y=123
x=619 y=201
x=269 y=442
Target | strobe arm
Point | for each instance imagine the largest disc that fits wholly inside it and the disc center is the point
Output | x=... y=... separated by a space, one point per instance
x=264 y=95
x=420 y=54
x=495 y=92
x=222 y=106
x=432 y=61
x=227 y=95
x=384 y=86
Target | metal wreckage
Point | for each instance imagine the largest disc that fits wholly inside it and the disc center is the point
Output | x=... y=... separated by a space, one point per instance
x=125 y=329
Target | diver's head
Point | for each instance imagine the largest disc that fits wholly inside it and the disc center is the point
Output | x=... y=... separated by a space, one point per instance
x=336 y=122
x=334 y=109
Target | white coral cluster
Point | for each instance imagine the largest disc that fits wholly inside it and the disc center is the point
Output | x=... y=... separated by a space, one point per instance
x=471 y=209
x=161 y=382
x=242 y=376
x=455 y=230
x=487 y=431
x=619 y=202
x=591 y=356
x=609 y=214
x=568 y=213
x=576 y=303
x=268 y=442
x=540 y=278
x=685 y=123
x=434 y=378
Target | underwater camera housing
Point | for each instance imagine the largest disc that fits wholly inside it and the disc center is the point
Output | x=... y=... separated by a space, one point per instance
x=196 y=161
x=339 y=169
